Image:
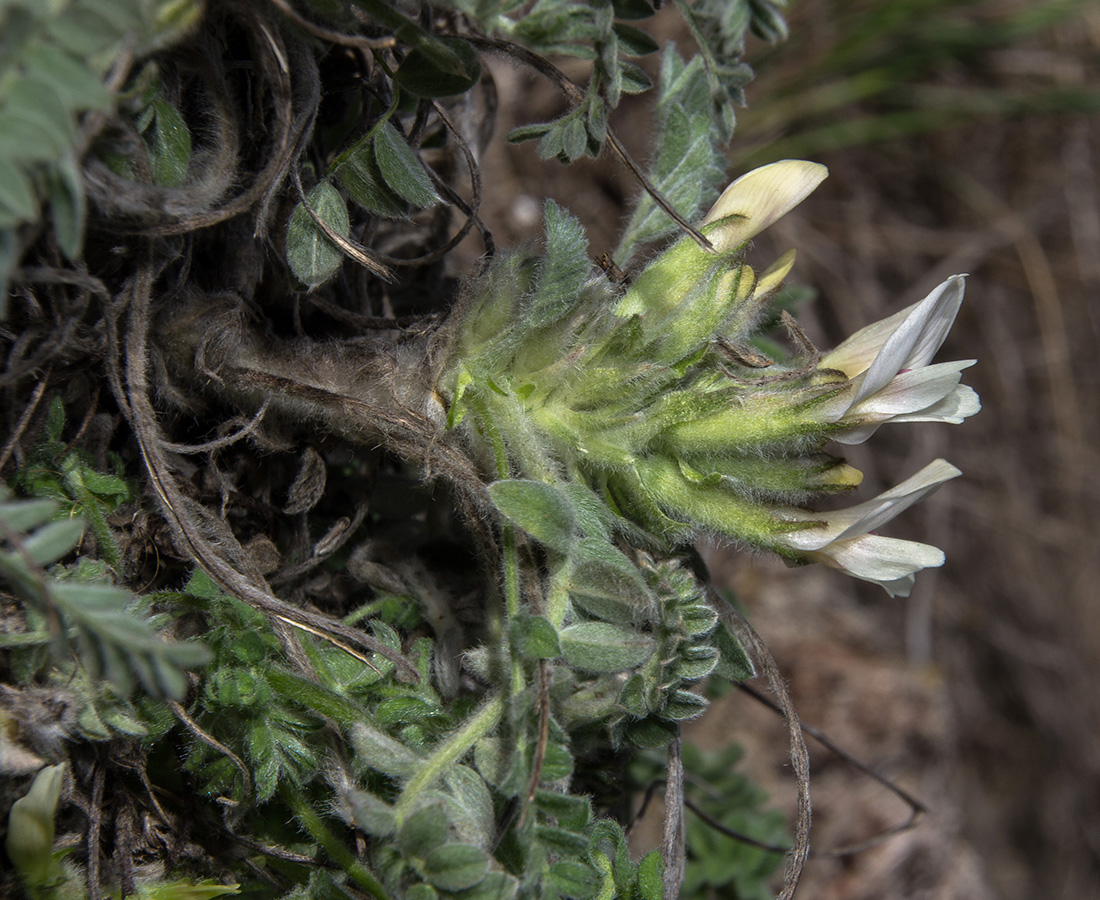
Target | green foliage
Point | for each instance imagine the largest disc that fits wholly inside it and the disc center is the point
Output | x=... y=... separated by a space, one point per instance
x=475 y=786
x=687 y=161
x=68 y=475
x=312 y=255
x=53 y=60
x=115 y=641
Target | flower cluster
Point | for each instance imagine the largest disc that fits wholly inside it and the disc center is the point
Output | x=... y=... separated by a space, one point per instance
x=657 y=404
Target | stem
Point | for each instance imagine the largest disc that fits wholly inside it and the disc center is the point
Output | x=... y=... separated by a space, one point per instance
x=309 y=819
x=511 y=550
x=453 y=749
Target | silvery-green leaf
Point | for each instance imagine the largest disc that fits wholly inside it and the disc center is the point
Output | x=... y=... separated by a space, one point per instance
x=401 y=168
x=734 y=664
x=600 y=647
x=495 y=886
x=651 y=733
x=169 y=145
x=562 y=841
x=66 y=193
x=575 y=879
x=312 y=256
x=373 y=814
x=682 y=705
x=604 y=582
x=474 y=802
x=536 y=637
x=17 y=201
x=51 y=542
x=455 y=867
x=696 y=663
x=439 y=67
x=383 y=753
x=424 y=830
x=540 y=509
x=363 y=180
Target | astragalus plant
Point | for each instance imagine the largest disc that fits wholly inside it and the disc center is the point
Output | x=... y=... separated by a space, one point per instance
x=412 y=553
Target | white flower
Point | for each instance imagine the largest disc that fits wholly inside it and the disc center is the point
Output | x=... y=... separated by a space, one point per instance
x=843 y=539
x=758 y=198
x=888 y=365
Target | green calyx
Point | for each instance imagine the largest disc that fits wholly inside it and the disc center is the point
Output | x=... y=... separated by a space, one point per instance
x=653 y=399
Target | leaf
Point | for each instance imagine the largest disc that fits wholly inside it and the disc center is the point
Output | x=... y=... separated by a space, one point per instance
x=51 y=542
x=574 y=138
x=540 y=509
x=604 y=582
x=651 y=876
x=169 y=145
x=401 y=169
x=634 y=41
x=651 y=733
x=439 y=67
x=83 y=31
x=371 y=813
x=78 y=86
x=600 y=647
x=536 y=637
x=24 y=515
x=575 y=880
x=568 y=809
x=634 y=79
x=9 y=256
x=683 y=705
x=31 y=827
x=687 y=159
x=17 y=201
x=455 y=867
x=562 y=271
x=362 y=179
x=119 y=645
x=529 y=132
x=66 y=193
x=424 y=830
x=472 y=802
x=383 y=753
x=494 y=886
x=562 y=841
x=734 y=664
x=312 y=256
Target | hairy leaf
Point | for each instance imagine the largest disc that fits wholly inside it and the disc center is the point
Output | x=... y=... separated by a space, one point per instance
x=540 y=509
x=600 y=647
x=401 y=168
x=312 y=256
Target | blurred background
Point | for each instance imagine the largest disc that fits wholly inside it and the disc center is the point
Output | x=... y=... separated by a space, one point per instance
x=961 y=136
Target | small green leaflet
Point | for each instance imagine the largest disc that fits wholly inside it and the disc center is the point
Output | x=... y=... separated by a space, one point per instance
x=401 y=168
x=312 y=256
x=169 y=145
x=540 y=509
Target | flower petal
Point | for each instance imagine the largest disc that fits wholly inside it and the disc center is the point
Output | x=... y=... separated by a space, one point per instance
x=889 y=562
x=758 y=198
x=842 y=524
x=917 y=338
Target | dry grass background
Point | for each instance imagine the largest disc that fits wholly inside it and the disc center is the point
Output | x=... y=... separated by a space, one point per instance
x=982 y=692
